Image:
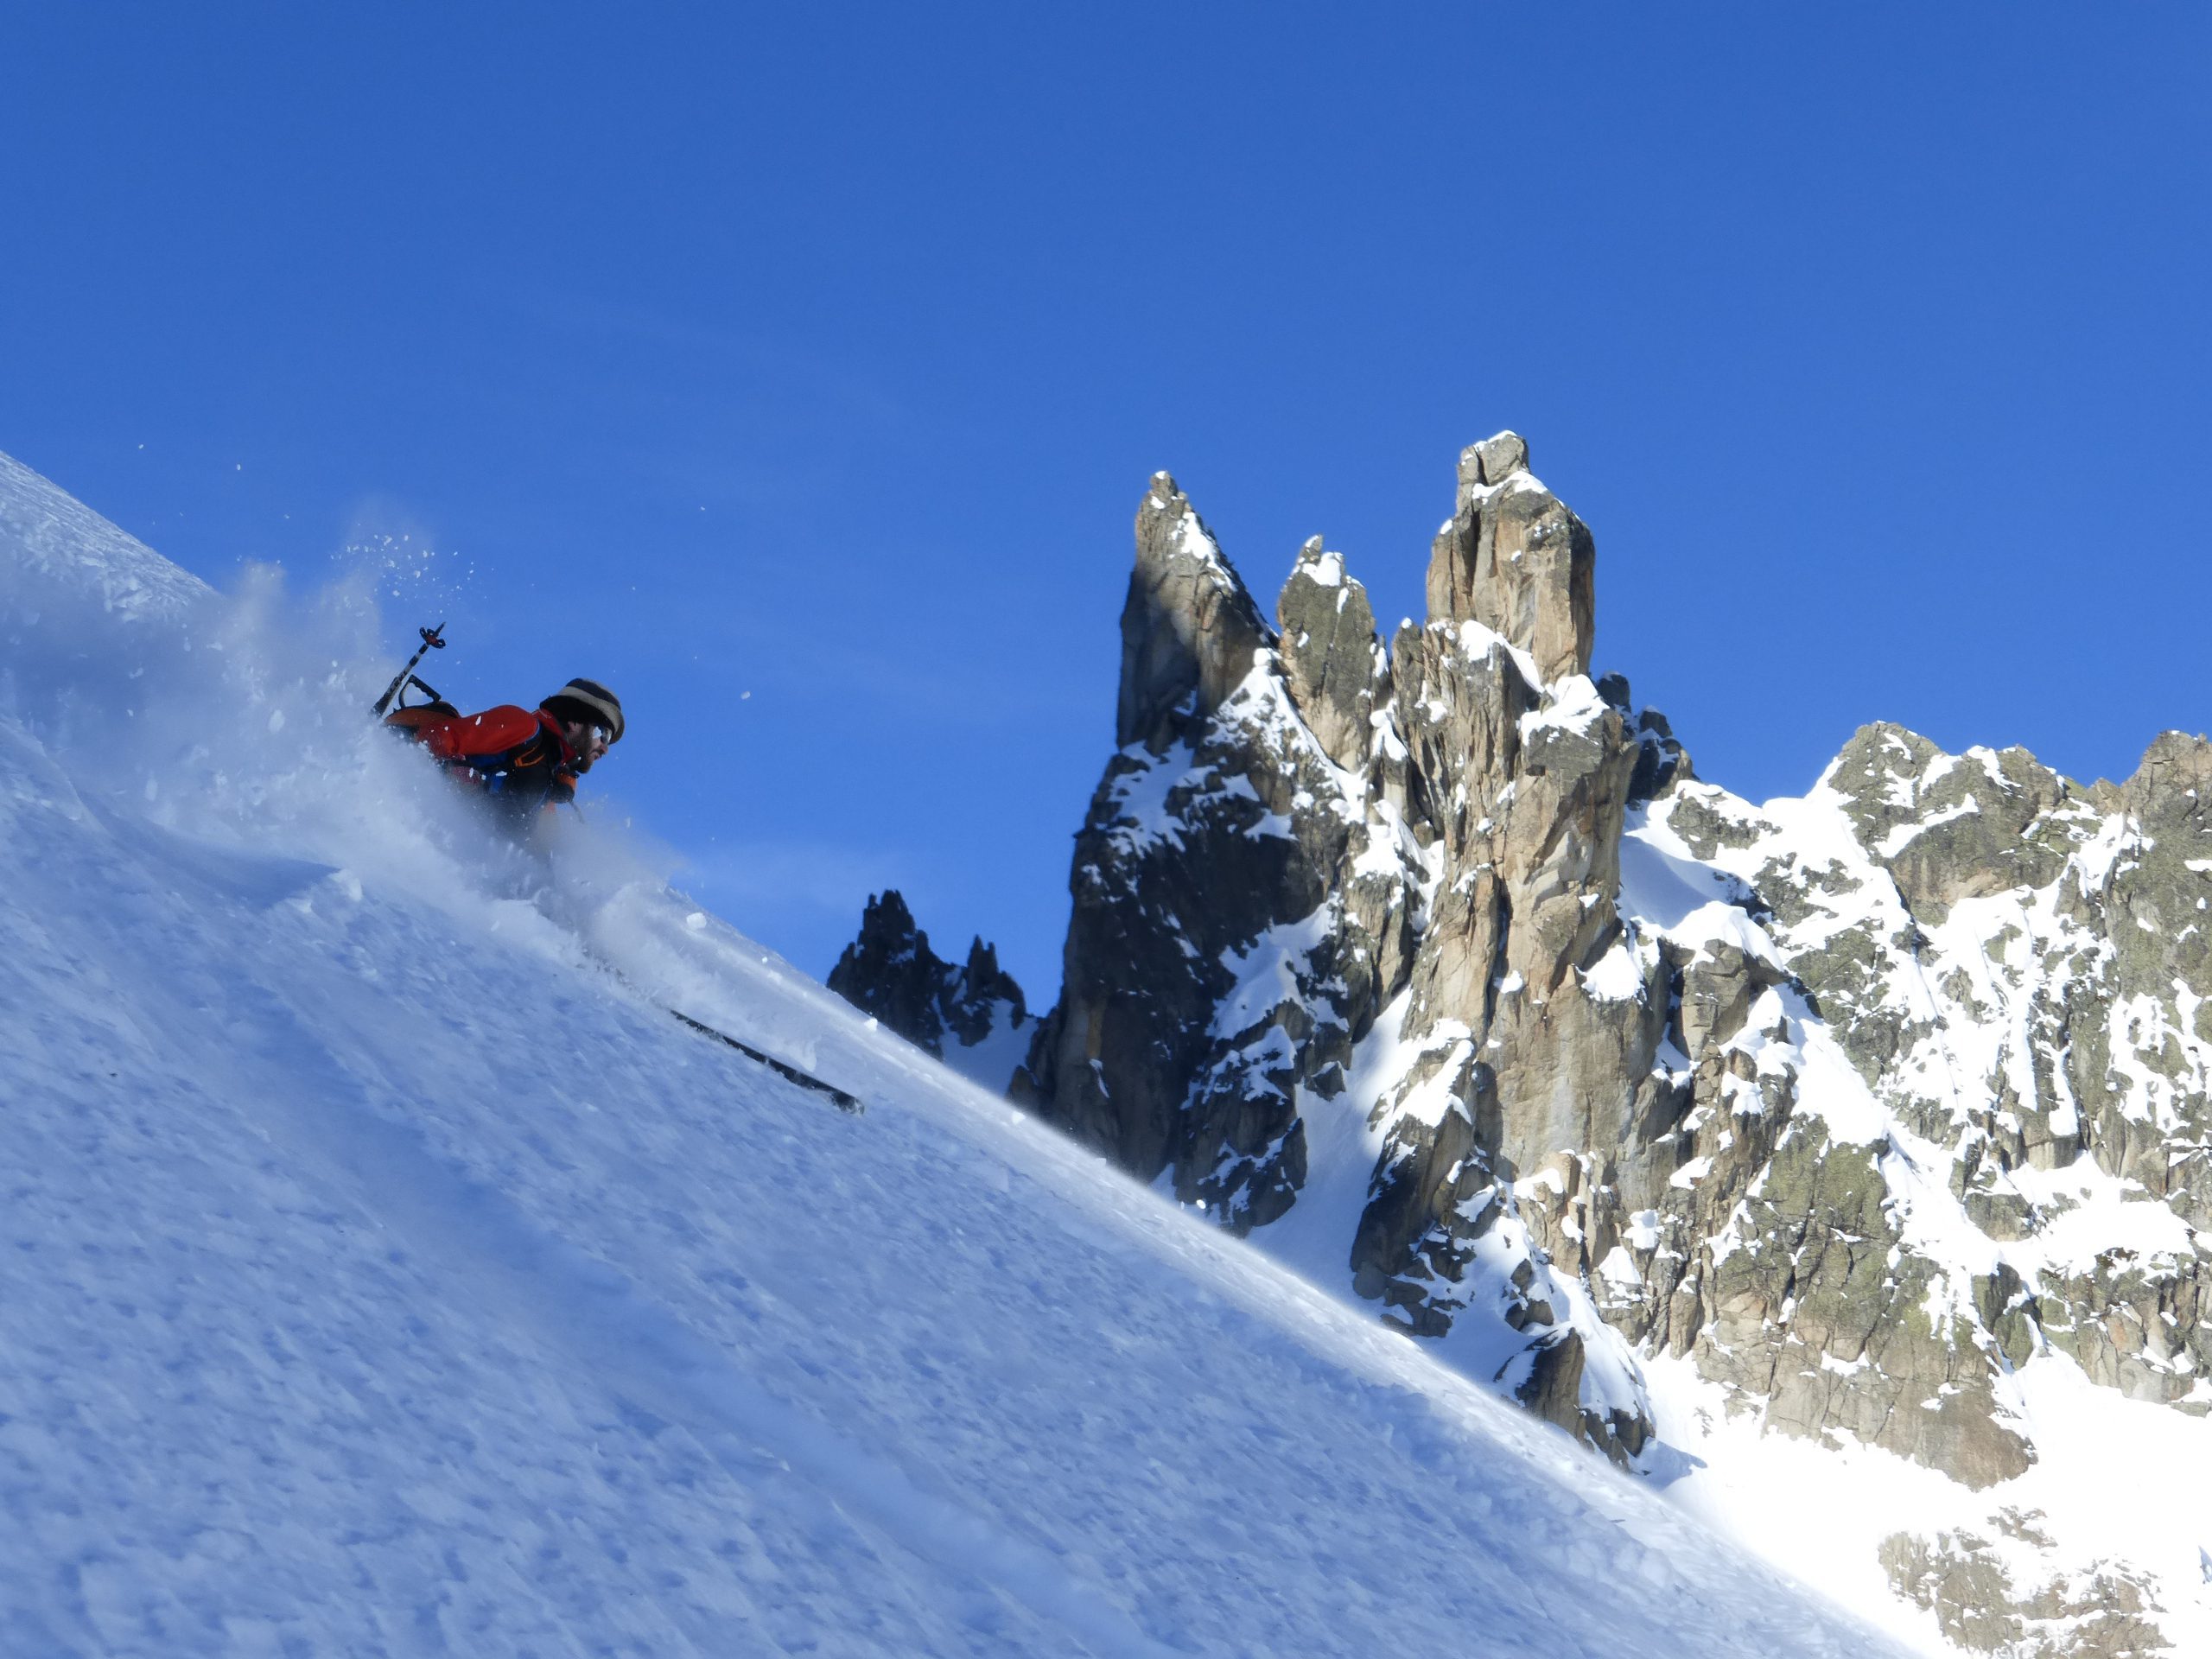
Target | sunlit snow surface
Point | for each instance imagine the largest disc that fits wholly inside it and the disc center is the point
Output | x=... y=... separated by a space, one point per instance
x=380 y=1275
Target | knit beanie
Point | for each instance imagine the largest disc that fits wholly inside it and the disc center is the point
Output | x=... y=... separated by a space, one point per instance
x=586 y=703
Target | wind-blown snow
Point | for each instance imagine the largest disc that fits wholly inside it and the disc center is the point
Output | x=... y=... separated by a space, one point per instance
x=378 y=1274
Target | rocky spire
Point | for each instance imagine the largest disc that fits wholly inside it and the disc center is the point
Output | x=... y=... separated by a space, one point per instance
x=1513 y=558
x=975 y=992
x=1337 y=670
x=1189 y=628
x=1219 y=833
x=1296 y=830
x=890 y=972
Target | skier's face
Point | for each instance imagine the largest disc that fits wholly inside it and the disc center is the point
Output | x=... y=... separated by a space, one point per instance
x=589 y=742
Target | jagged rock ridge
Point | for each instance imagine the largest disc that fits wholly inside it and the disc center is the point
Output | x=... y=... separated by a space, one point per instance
x=1303 y=835
x=973 y=1016
x=1860 y=1102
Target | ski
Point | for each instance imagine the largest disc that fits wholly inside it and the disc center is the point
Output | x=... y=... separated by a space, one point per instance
x=849 y=1103
x=844 y=1100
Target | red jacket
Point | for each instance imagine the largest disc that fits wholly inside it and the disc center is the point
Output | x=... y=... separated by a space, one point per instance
x=518 y=755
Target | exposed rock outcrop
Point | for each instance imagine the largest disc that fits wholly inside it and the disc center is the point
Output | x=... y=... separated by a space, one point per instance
x=2102 y=1611
x=1303 y=834
x=1226 y=941
x=1438 y=964
x=973 y=1017
x=1514 y=559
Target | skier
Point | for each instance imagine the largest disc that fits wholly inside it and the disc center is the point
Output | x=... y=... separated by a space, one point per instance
x=526 y=760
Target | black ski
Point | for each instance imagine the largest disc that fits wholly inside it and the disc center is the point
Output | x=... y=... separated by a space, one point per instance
x=844 y=1101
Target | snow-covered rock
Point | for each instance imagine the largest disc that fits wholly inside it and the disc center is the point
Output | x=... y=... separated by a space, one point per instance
x=1235 y=901
x=1376 y=865
x=1882 y=1110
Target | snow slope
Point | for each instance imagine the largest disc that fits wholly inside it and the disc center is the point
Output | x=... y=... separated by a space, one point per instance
x=380 y=1275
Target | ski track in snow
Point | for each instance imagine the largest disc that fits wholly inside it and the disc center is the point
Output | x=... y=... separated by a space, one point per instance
x=379 y=1276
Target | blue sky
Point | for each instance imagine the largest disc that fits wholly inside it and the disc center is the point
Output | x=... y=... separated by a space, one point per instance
x=821 y=354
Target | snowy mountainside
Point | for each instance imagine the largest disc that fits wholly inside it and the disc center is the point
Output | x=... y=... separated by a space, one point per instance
x=1877 y=1119
x=378 y=1274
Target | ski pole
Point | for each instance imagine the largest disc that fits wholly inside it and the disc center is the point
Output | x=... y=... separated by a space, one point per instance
x=432 y=640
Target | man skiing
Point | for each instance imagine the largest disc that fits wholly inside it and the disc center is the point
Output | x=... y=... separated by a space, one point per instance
x=526 y=760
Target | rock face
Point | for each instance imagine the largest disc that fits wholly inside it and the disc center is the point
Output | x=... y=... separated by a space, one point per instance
x=1303 y=837
x=1225 y=941
x=1972 y=1585
x=1435 y=968
x=1513 y=558
x=2015 y=969
x=973 y=1017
